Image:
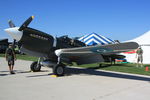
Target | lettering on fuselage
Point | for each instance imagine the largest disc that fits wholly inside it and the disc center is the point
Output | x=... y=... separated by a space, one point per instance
x=38 y=36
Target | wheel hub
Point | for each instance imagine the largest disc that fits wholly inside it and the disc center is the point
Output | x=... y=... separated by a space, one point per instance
x=59 y=70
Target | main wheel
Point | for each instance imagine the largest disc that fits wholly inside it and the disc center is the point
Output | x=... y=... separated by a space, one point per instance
x=35 y=67
x=58 y=70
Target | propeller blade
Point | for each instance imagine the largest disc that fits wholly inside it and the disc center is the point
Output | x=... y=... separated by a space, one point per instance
x=14 y=43
x=11 y=24
x=26 y=23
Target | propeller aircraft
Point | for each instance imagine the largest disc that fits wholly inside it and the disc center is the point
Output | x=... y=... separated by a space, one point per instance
x=57 y=52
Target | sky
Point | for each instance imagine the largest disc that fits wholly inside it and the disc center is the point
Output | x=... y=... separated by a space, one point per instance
x=116 y=19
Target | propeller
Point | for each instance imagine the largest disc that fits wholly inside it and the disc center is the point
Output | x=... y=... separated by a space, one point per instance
x=17 y=32
x=14 y=43
x=11 y=24
x=26 y=23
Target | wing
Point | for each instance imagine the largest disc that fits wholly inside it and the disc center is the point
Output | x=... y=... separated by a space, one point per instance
x=92 y=54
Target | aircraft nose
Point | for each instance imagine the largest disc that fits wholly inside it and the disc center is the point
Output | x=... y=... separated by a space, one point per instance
x=14 y=33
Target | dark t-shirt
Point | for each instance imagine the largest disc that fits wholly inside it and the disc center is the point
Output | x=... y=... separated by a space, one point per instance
x=10 y=54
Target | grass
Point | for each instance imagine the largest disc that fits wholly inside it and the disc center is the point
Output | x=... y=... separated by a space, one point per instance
x=126 y=68
x=23 y=57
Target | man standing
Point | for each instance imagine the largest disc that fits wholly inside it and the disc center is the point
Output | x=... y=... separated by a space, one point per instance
x=10 y=57
x=139 y=56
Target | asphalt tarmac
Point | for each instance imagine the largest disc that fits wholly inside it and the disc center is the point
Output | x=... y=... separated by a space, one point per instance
x=78 y=84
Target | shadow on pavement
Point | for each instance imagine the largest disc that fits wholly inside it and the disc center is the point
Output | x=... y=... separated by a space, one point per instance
x=4 y=74
x=3 y=71
x=71 y=71
x=19 y=71
x=76 y=71
x=40 y=75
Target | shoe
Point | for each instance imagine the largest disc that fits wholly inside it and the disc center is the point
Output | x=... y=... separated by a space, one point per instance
x=12 y=72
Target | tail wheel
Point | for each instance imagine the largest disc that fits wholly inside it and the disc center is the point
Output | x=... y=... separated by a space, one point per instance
x=35 y=67
x=58 y=70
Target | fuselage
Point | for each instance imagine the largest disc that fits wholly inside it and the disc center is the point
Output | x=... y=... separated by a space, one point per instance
x=36 y=43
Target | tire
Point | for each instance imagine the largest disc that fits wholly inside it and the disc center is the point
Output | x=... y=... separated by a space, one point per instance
x=34 y=67
x=58 y=70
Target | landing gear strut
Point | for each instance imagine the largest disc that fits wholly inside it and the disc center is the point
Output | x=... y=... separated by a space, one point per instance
x=35 y=66
x=58 y=68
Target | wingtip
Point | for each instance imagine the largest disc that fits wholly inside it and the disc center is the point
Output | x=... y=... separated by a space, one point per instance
x=9 y=20
x=32 y=17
